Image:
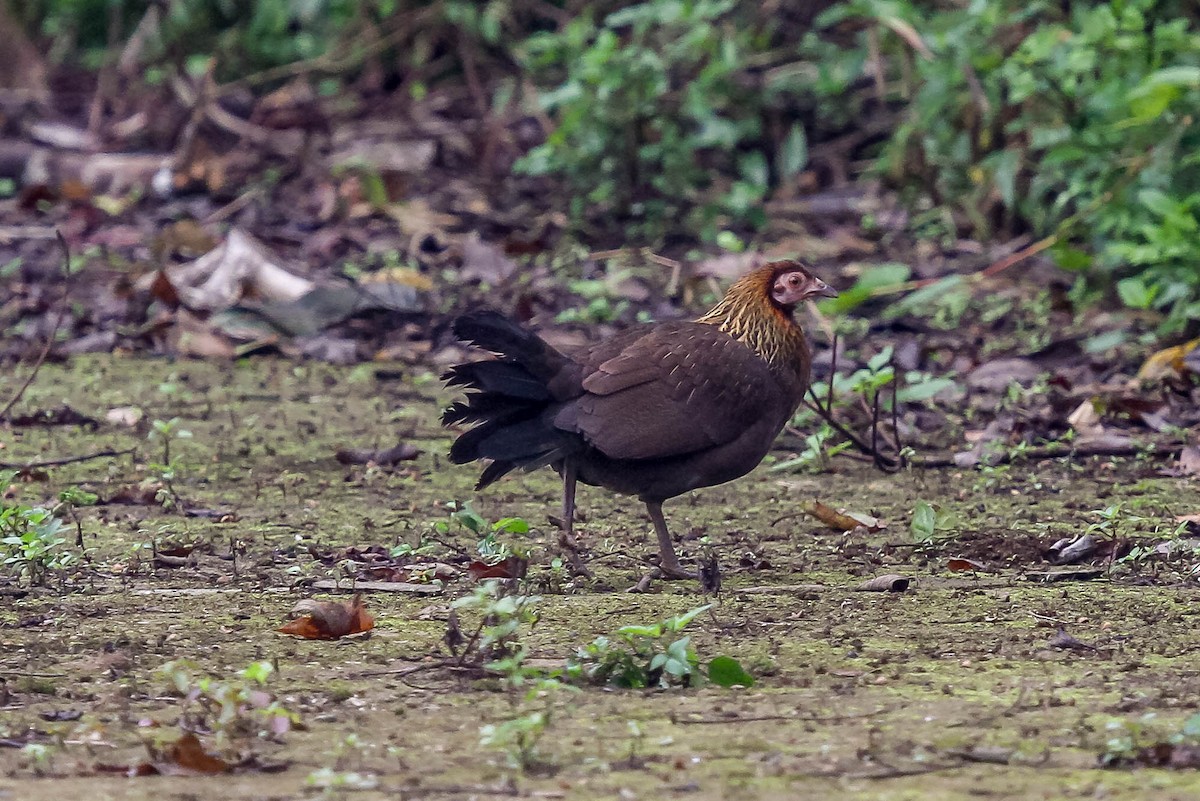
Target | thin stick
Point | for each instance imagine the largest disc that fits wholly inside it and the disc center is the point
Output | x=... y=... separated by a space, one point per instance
x=797 y=718
x=58 y=320
x=65 y=460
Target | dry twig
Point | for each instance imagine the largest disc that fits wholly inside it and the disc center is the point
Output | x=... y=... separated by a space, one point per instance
x=58 y=320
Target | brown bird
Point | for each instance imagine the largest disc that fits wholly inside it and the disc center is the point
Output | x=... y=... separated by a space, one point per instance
x=655 y=411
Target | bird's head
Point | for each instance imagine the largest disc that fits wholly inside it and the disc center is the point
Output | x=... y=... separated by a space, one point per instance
x=791 y=282
x=758 y=308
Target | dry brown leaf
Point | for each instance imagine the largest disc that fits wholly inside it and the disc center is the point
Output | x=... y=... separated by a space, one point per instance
x=1085 y=419
x=961 y=564
x=128 y=416
x=484 y=262
x=188 y=753
x=328 y=620
x=1167 y=361
x=841 y=520
x=385 y=456
x=512 y=567
x=886 y=583
x=1189 y=462
x=240 y=266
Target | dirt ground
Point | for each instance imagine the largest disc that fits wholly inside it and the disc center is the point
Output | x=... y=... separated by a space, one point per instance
x=961 y=686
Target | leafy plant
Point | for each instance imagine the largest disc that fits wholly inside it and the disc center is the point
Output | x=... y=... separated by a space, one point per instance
x=520 y=735
x=653 y=656
x=490 y=547
x=234 y=707
x=652 y=121
x=495 y=642
x=1140 y=741
x=1077 y=120
x=167 y=432
x=927 y=519
x=31 y=539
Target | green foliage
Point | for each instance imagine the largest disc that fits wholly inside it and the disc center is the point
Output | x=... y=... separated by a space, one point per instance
x=235 y=707
x=518 y=737
x=31 y=541
x=167 y=432
x=653 y=656
x=491 y=548
x=242 y=37
x=1131 y=741
x=497 y=636
x=1080 y=120
x=924 y=521
x=653 y=121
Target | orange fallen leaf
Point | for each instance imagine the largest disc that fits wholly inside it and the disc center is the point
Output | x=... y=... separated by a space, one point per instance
x=840 y=520
x=328 y=620
x=188 y=753
x=960 y=564
x=512 y=567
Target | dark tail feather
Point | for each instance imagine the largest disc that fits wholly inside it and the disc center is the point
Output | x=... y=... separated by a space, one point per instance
x=493 y=331
x=502 y=377
x=507 y=398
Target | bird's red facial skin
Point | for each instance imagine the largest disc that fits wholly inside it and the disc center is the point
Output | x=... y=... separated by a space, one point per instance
x=794 y=286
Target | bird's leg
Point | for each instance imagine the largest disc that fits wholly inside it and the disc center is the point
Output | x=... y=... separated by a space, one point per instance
x=566 y=535
x=668 y=562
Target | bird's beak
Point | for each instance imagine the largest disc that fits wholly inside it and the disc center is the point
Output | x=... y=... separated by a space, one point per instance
x=820 y=289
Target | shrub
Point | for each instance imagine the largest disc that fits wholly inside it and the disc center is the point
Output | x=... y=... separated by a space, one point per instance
x=1083 y=125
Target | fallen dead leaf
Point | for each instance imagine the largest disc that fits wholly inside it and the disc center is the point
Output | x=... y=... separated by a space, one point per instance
x=886 y=583
x=58 y=416
x=512 y=567
x=1068 y=552
x=128 y=416
x=386 y=456
x=1181 y=756
x=1167 y=361
x=381 y=586
x=485 y=262
x=1066 y=642
x=841 y=520
x=1071 y=574
x=238 y=267
x=328 y=620
x=959 y=564
x=1189 y=462
x=189 y=754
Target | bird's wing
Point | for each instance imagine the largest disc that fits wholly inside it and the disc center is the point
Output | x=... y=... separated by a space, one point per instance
x=668 y=390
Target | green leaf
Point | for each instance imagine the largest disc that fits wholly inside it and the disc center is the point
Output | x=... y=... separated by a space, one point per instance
x=924 y=389
x=1135 y=293
x=725 y=671
x=678 y=622
x=793 y=153
x=653 y=631
x=924 y=522
x=511 y=525
x=877 y=276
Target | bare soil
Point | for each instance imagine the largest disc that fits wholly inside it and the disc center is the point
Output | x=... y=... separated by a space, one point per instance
x=957 y=687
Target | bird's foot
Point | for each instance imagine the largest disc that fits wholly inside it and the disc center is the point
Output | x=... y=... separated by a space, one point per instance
x=578 y=568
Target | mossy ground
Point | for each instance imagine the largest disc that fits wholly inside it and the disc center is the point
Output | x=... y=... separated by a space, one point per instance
x=860 y=695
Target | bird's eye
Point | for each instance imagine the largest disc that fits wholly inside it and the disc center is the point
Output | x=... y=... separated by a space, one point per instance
x=794 y=280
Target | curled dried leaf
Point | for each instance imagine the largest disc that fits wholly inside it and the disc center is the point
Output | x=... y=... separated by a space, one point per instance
x=886 y=583
x=328 y=620
x=189 y=754
x=841 y=520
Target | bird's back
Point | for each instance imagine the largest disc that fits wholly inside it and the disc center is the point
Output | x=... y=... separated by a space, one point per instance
x=674 y=406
